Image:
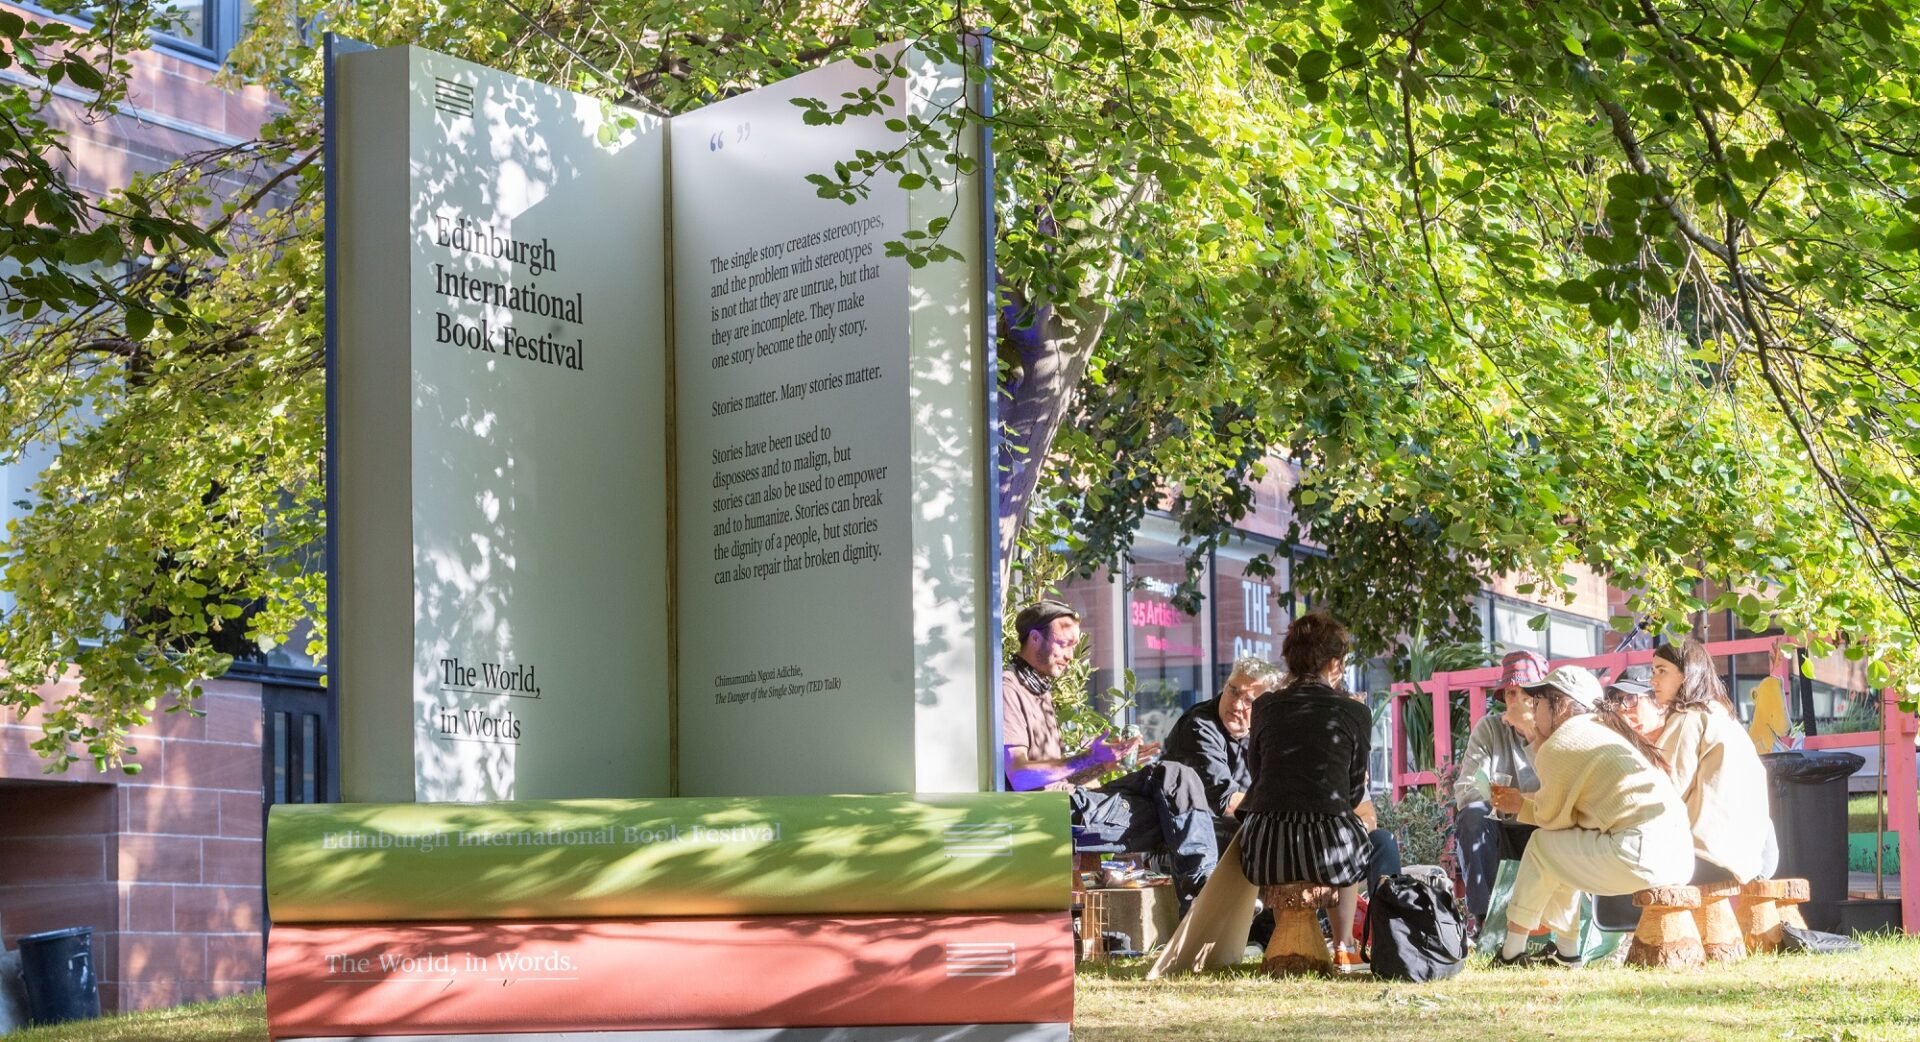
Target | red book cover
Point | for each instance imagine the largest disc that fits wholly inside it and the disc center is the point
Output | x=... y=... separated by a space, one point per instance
x=651 y=974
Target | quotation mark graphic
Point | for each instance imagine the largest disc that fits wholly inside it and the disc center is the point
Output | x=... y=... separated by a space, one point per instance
x=718 y=141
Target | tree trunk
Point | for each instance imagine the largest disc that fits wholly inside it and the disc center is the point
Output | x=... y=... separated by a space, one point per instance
x=1052 y=355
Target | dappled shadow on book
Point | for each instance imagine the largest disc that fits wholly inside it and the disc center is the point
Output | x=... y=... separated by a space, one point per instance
x=670 y=973
x=694 y=856
x=527 y=483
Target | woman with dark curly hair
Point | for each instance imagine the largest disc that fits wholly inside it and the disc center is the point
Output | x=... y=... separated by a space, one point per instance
x=1308 y=753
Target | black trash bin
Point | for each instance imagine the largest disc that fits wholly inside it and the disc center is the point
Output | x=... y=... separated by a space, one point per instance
x=57 y=967
x=1808 y=795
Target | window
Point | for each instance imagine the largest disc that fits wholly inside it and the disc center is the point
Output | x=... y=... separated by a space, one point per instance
x=1249 y=611
x=1510 y=628
x=1166 y=647
x=205 y=29
x=1513 y=630
x=185 y=20
x=1572 y=638
x=296 y=747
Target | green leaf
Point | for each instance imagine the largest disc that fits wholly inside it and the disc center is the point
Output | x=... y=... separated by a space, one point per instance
x=1903 y=238
x=1575 y=291
x=1629 y=315
x=1314 y=66
x=1665 y=97
x=1802 y=124
x=83 y=74
x=1450 y=50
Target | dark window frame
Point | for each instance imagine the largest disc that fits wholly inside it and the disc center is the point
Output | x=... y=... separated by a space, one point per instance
x=221 y=19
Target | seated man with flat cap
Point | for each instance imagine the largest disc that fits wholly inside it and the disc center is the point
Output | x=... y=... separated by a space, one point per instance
x=1160 y=808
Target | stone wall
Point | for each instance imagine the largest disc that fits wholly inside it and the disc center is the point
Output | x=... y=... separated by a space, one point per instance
x=164 y=865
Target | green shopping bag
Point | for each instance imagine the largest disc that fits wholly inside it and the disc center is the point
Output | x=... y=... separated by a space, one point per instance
x=1596 y=945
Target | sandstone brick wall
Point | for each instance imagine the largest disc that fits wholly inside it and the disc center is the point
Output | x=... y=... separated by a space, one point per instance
x=164 y=865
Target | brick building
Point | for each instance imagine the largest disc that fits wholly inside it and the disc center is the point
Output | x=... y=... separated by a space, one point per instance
x=165 y=865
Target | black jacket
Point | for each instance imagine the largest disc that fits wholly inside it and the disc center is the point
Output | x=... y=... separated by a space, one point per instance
x=1308 y=751
x=1201 y=742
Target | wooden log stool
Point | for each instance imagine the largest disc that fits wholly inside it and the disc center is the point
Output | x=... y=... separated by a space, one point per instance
x=1667 y=935
x=1760 y=909
x=1795 y=893
x=1720 y=937
x=1298 y=946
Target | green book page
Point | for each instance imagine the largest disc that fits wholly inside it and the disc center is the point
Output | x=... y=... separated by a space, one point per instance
x=785 y=855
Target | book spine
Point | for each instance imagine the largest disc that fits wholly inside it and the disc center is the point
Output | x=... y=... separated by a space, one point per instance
x=880 y=1033
x=668 y=974
x=827 y=855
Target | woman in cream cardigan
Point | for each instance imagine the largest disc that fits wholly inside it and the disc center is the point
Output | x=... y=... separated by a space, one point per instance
x=1714 y=765
x=1609 y=819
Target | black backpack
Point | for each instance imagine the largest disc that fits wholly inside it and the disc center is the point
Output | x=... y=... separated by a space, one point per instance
x=1415 y=930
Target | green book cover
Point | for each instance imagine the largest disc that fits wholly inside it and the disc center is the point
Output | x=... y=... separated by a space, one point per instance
x=604 y=858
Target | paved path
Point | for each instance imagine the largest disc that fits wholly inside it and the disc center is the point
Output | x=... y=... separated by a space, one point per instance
x=1860 y=884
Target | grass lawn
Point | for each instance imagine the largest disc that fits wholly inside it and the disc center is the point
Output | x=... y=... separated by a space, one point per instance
x=1863 y=815
x=1873 y=995
x=242 y=1018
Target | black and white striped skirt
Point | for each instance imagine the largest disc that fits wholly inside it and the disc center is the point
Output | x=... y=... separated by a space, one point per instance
x=1332 y=849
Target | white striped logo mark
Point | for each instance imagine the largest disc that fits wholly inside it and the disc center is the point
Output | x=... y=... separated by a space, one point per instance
x=980 y=960
x=994 y=839
x=453 y=97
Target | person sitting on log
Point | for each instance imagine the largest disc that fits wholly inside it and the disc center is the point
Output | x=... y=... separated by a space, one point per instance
x=1682 y=707
x=1212 y=738
x=1609 y=820
x=1308 y=752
